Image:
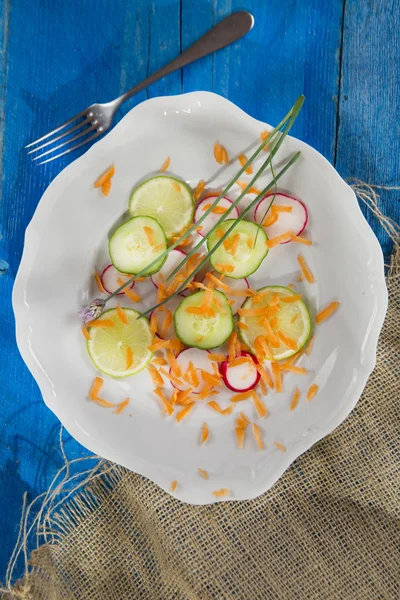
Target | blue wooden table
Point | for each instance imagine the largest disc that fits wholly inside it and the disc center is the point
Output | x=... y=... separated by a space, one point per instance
x=58 y=57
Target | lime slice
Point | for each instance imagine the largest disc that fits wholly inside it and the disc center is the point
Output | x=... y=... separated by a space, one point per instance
x=108 y=345
x=168 y=200
x=292 y=320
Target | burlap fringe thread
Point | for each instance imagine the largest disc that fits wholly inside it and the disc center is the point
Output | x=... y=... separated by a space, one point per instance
x=72 y=498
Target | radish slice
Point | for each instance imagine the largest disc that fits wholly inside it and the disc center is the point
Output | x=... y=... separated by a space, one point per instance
x=172 y=305
x=200 y=360
x=240 y=378
x=109 y=279
x=213 y=218
x=234 y=284
x=174 y=258
x=295 y=220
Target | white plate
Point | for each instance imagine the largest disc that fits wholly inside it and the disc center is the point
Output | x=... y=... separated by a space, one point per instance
x=66 y=240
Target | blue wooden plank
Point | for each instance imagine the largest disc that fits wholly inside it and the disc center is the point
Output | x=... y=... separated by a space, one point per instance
x=196 y=19
x=368 y=144
x=292 y=49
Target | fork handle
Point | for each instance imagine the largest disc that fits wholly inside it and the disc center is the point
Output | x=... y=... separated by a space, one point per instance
x=227 y=31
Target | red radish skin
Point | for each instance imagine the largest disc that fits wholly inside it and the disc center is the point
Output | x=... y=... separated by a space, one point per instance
x=212 y=218
x=109 y=280
x=200 y=360
x=248 y=383
x=234 y=284
x=296 y=220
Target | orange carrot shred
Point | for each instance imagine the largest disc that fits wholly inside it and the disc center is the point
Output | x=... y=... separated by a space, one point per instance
x=243 y=185
x=204 y=433
x=290 y=299
x=263 y=387
x=149 y=234
x=280 y=446
x=308 y=276
x=203 y=473
x=257 y=435
x=121 y=406
x=121 y=314
x=212 y=379
x=193 y=373
x=225 y=268
x=277 y=377
x=174 y=485
x=232 y=345
x=300 y=240
x=309 y=346
x=166 y=324
x=106 y=188
x=185 y=411
x=245 y=419
x=294 y=318
x=86 y=333
x=199 y=189
x=241 y=396
x=166 y=403
x=96 y=388
x=215 y=406
x=156 y=377
x=242 y=325
x=279 y=239
x=221 y=493
x=300 y=277
x=99 y=283
x=173 y=379
x=216 y=357
x=263 y=136
x=105 y=177
x=153 y=323
x=218 y=153
x=259 y=405
x=224 y=155
x=327 y=312
x=165 y=164
x=270 y=220
x=103 y=402
x=295 y=399
x=227 y=411
x=312 y=390
x=240 y=435
x=265 y=375
x=243 y=161
x=159 y=361
x=281 y=209
x=175 y=368
x=287 y=340
x=101 y=323
x=128 y=292
x=176 y=186
x=129 y=357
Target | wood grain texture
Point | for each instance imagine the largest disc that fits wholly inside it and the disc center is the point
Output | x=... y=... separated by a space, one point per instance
x=368 y=142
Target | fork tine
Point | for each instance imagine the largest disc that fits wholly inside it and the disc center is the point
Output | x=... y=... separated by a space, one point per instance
x=57 y=129
x=64 y=134
x=76 y=137
x=92 y=137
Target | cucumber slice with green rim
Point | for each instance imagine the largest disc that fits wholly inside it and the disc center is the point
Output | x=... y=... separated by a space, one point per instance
x=107 y=347
x=242 y=251
x=166 y=199
x=137 y=243
x=293 y=320
x=203 y=331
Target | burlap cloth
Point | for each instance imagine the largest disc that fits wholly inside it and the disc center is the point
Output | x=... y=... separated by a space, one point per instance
x=328 y=529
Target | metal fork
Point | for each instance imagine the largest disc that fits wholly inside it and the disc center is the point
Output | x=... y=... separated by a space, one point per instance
x=97 y=118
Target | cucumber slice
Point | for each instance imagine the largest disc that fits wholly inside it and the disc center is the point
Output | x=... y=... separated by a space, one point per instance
x=238 y=260
x=167 y=199
x=292 y=319
x=135 y=244
x=203 y=331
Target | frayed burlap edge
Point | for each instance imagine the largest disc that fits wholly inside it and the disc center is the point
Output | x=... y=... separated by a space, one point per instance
x=71 y=499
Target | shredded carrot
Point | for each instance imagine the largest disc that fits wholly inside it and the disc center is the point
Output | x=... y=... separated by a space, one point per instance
x=243 y=160
x=199 y=189
x=128 y=292
x=199 y=310
x=224 y=155
x=265 y=375
x=259 y=405
x=280 y=446
x=212 y=379
x=241 y=423
x=308 y=276
x=234 y=244
x=241 y=396
x=121 y=314
x=206 y=207
x=276 y=208
x=204 y=433
x=219 y=233
x=216 y=357
x=263 y=136
x=159 y=361
x=96 y=388
x=243 y=185
x=106 y=188
x=174 y=485
x=312 y=390
x=263 y=387
x=175 y=368
x=121 y=406
x=232 y=345
x=251 y=312
x=153 y=322
x=250 y=243
x=225 y=268
x=103 y=402
x=193 y=373
x=279 y=239
x=242 y=325
x=99 y=283
x=173 y=379
x=218 y=282
x=206 y=392
x=245 y=419
x=272 y=339
x=295 y=399
x=218 y=153
x=166 y=403
x=215 y=406
x=105 y=177
x=185 y=411
x=270 y=220
x=294 y=318
x=219 y=210
x=165 y=164
x=128 y=358
x=240 y=435
x=309 y=346
x=227 y=411
x=183 y=397
x=203 y=473
x=300 y=240
x=277 y=377
x=166 y=324
x=174 y=396
x=274 y=322
x=86 y=333
x=287 y=340
x=257 y=435
x=176 y=186
x=156 y=377
x=300 y=277
x=327 y=312
x=221 y=493
x=149 y=234
x=290 y=299
x=241 y=360
x=101 y=323
x=173 y=344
